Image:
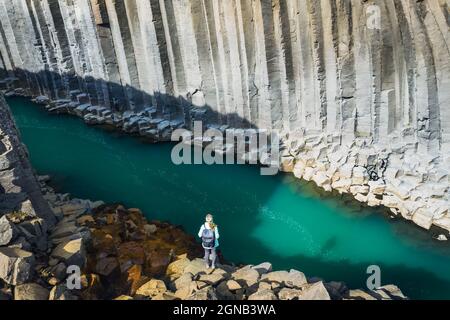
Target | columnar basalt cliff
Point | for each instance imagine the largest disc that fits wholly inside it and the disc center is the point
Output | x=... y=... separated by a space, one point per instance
x=19 y=189
x=359 y=89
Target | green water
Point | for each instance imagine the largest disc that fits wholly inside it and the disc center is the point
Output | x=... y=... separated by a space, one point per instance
x=260 y=218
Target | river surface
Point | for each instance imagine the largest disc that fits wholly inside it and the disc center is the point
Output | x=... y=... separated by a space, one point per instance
x=261 y=218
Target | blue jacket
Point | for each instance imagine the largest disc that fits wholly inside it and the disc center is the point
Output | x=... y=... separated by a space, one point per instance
x=216 y=233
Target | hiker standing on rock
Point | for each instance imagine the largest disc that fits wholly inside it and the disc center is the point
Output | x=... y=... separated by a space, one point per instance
x=209 y=233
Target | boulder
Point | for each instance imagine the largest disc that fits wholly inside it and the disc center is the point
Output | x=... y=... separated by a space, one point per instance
x=85 y=220
x=30 y=291
x=423 y=218
x=152 y=288
x=224 y=293
x=292 y=279
x=16 y=265
x=263 y=286
x=157 y=261
x=150 y=229
x=183 y=281
x=377 y=187
x=263 y=268
x=36 y=227
x=73 y=208
x=201 y=284
x=336 y=290
x=59 y=271
x=233 y=285
x=107 y=266
x=290 y=294
x=64 y=229
x=316 y=291
x=186 y=291
x=195 y=266
x=360 y=295
x=212 y=279
x=177 y=267
x=165 y=296
x=135 y=278
x=21 y=243
x=130 y=253
x=71 y=252
x=61 y=292
x=266 y=294
x=441 y=237
x=8 y=231
x=246 y=275
x=207 y=293
x=380 y=295
x=444 y=223
x=393 y=291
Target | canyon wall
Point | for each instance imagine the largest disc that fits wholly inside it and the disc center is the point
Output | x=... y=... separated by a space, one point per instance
x=360 y=90
x=20 y=191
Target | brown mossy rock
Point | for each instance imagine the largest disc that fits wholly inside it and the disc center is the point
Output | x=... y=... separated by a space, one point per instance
x=130 y=253
x=86 y=220
x=103 y=241
x=108 y=267
x=157 y=261
x=92 y=288
x=135 y=278
x=142 y=249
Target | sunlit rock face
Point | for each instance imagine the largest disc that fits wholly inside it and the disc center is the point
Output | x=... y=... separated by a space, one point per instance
x=360 y=90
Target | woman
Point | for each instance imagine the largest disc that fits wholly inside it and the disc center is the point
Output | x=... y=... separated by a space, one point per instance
x=209 y=233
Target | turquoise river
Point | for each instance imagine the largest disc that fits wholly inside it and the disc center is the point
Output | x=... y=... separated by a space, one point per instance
x=261 y=218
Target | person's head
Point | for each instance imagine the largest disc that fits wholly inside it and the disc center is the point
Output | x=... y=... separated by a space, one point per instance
x=210 y=220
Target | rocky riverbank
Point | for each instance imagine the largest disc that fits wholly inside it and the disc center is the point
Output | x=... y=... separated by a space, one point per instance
x=123 y=256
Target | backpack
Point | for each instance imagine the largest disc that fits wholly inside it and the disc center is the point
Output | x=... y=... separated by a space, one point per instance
x=208 y=238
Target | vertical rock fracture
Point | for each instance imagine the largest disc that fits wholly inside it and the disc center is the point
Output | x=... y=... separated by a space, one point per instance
x=359 y=89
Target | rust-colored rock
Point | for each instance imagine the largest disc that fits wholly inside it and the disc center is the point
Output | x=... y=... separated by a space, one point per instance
x=126 y=254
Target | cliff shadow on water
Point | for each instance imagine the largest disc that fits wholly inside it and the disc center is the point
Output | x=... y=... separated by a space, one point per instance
x=97 y=167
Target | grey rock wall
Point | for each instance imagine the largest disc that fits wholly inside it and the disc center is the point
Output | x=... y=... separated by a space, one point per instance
x=19 y=190
x=362 y=110
x=25 y=215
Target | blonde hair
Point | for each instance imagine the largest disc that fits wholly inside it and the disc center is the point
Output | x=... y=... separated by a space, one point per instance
x=211 y=223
